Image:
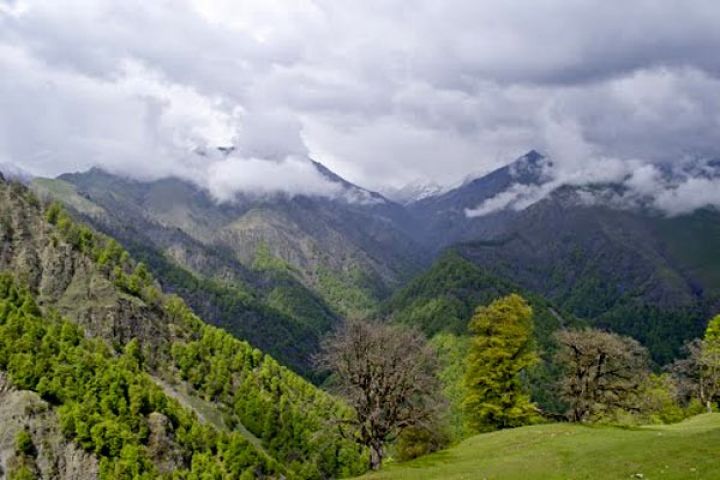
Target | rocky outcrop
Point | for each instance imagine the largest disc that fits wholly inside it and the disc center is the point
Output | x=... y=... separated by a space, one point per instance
x=50 y=456
x=67 y=280
x=161 y=447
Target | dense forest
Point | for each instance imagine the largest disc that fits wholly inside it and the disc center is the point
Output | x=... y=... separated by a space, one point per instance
x=109 y=394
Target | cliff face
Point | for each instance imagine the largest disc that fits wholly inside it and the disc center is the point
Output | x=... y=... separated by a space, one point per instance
x=65 y=279
x=49 y=455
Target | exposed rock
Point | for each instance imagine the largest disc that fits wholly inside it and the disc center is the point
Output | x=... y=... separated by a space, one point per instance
x=161 y=445
x=53 y=457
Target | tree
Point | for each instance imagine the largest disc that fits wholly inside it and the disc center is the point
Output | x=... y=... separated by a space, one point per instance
x=603 y=372
x=388 y=376
x=500 y=351
x=699 y=373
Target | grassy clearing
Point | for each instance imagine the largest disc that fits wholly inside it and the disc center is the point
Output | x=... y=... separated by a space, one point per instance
x=688 y=450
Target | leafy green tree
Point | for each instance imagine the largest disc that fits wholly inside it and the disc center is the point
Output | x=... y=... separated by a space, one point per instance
x=709 y=360
x=501 y=350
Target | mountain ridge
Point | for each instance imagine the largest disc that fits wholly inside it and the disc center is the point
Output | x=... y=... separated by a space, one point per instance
x=596 y=260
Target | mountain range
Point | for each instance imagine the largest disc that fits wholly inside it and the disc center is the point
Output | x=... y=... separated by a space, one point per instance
x=107 y=285
x=299 y=263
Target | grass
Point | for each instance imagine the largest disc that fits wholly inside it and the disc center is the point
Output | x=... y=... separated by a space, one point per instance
x=687 y=450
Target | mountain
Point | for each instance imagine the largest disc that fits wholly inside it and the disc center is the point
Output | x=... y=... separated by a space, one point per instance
x=413 y=192
x=640 y=274
x=104 y=375
x=312 y=260
x=352 y=249
x=633 y=270
x=278 y=271
x=443 y=220
x=265 y=306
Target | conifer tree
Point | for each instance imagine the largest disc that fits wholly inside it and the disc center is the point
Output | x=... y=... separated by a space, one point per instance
x=500 y=351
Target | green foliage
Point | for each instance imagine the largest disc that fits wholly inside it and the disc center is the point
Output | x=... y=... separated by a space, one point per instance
x=103 y=401
x=22 y=472
x=501 y=349
x=659 y=401
x=24 y=443
x=662 y=331
x=712 y=333
x=444 y=298
x=52 y=213
x=452 y=353
x=266 y=261
x=352 y=293
x=274 y=404
x=284 y=322
x=417 y=441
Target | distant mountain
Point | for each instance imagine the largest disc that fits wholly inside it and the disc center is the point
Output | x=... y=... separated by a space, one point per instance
x=316 y=259
x=633 y=270
x=637 y=273
x=443 y=220
x=277 y=270
x=414 y=192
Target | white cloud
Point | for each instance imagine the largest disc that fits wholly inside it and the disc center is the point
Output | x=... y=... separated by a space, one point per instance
x=384 y=92
x=292 y=175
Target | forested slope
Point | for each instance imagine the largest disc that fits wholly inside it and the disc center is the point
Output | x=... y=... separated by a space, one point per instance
x=88 y=330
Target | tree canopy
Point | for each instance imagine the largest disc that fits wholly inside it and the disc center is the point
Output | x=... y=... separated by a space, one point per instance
x=501 y=350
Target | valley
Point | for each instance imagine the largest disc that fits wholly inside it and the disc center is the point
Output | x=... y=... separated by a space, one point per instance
x=281 y=273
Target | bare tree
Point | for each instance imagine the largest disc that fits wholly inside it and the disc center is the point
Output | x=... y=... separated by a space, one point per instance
x=698 y=374
x=387 y=374
x=603 y=372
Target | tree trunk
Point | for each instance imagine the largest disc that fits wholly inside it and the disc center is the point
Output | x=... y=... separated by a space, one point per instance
x=708 y=405
x=376 y=457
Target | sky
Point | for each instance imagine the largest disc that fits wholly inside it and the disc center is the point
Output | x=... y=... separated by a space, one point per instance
x=383 y=92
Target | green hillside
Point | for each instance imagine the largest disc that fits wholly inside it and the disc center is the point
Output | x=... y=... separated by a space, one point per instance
x=272 y=310
x=134 y=377
x=441 y=301
x=688 y=450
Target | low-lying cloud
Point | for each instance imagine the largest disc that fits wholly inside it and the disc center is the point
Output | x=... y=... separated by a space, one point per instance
x=384 y=93
x=292 y=175
x=672 y=190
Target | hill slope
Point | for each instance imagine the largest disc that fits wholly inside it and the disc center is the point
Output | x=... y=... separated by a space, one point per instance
x=263 y=303
x=133 y=376
x=441 y=301
x=630 y=269
x=633 y=272
x=357 y=242
x=564 y=451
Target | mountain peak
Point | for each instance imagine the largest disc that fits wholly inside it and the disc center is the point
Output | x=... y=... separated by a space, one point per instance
x=533 y=156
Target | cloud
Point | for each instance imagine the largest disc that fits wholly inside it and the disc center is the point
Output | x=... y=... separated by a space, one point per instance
x=673 y=190
x=383 y=92
x=291 y=175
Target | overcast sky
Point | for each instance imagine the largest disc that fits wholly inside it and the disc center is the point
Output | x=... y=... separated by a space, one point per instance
x=384 y=92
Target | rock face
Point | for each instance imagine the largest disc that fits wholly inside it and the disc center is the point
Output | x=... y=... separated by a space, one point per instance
x=160 y=445
x=51 y=457
x=61 y=277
